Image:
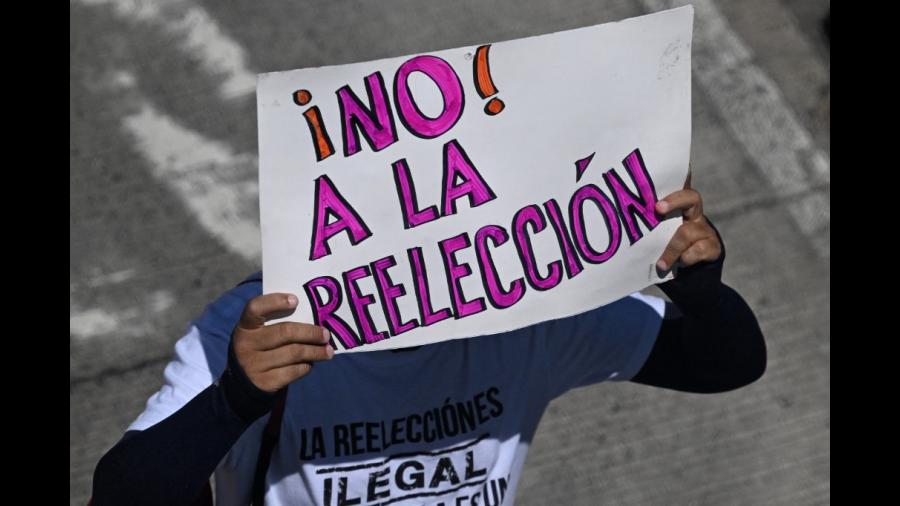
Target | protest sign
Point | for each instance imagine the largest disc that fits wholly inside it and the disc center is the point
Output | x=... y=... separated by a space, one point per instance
x=475 y=190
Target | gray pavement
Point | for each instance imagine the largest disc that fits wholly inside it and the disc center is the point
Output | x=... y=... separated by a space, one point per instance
x=163 y=218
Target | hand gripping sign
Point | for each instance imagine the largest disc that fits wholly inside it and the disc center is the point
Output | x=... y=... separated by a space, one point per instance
x=475 y=190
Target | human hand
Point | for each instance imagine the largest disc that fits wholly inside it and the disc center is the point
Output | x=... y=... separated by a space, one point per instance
x=273 y=356
x=695 y=240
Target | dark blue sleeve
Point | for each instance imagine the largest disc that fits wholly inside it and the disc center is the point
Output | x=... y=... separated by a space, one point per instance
x=712 y=342
x=171 y=461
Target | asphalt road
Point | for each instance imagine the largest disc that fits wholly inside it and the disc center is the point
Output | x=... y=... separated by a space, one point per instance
x=164 y=217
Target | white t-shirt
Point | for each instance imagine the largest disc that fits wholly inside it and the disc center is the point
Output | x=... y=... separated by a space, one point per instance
x=448 y=423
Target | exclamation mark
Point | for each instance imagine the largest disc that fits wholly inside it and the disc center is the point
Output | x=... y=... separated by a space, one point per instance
x=483 y=82
x=320 y=138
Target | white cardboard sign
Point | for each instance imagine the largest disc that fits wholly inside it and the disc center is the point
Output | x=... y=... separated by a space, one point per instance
x=474 y=190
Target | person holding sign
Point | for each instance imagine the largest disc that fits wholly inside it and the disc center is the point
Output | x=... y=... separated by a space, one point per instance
x=307 y=395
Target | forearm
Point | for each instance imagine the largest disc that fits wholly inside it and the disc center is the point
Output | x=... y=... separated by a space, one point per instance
x=710 y=353
x=170 y=462
x=714 y=345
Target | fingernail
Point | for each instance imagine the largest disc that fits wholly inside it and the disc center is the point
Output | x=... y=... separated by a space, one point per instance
x=326 y=334
x=329 y=350
x=291 y=300
x=661 y=265
x=662 y=207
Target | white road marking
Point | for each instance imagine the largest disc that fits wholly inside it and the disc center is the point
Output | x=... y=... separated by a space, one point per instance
x=761 y=121
x=216 y=184
x=199 y=35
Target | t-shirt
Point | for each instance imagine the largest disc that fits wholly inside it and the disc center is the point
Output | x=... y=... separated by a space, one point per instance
x=448 y=423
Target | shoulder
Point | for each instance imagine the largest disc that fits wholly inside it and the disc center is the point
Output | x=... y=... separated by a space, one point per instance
x=222 y=314
x=638 y=301
x=633 y=309
x=631 y=313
